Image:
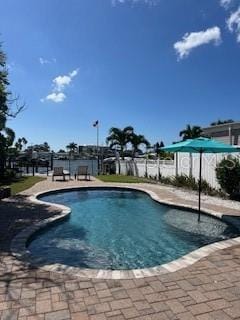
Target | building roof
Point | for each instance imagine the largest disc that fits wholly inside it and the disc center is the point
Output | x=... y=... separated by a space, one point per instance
x=223 y=126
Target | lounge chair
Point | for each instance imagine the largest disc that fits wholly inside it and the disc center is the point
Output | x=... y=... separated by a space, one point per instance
x=82 y=171
x=59 y=172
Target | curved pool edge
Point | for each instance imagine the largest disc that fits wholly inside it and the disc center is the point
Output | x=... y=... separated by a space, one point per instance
x=20 y=251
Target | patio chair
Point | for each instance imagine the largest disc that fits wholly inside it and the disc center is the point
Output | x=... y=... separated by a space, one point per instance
x=82 y=171
x=59 y=172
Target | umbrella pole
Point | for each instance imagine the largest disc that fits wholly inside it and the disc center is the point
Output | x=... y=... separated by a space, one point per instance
x=200 y=187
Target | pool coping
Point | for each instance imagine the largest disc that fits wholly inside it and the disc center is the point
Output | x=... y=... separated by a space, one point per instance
x=20 y=251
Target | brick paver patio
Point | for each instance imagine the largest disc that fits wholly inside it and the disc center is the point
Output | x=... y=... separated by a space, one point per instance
x=209 y=289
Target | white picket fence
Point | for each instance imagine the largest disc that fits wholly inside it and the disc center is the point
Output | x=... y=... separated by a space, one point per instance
x=183 y=163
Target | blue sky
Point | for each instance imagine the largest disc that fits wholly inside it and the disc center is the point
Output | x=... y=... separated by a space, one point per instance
x=156 y=65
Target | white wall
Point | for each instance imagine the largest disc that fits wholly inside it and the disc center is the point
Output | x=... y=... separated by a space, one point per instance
x=181 y=165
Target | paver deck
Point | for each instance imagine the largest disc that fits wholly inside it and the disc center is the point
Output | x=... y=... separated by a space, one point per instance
x=209 y=289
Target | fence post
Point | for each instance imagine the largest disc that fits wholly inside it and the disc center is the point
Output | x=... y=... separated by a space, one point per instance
x=176 y=163
x=92 y=167
x=51 y=161
x=146 y=169
x=158 y=169
x=135 y=168
x=190 y=164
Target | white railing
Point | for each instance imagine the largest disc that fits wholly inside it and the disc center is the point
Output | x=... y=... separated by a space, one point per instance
x=71 y=166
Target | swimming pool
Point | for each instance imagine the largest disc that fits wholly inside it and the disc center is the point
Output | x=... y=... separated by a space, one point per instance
x=122 y=229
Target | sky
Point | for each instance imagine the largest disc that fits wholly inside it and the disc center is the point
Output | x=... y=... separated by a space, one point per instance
x=156 y=65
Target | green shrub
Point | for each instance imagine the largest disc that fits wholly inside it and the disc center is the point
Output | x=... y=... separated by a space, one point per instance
x=9 y=174
x=165 y=180
x=184 y=181
x=228 y=175
x=207 y=189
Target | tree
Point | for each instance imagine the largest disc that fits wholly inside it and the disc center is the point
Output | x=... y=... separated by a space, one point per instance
x=7 y=135
x=20 y=143
x=157 y=148
x=228 y=175
x=161 y=144
x=43 y=147
x=136 y=140
x=46 y=147
x=119 y=138
x=61 y=151
x=215 y=123
x=191 y=132
x=6 y=102
x=72 y=147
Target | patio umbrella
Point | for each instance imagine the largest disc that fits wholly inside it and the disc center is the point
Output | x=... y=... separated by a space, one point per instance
x=200 y=145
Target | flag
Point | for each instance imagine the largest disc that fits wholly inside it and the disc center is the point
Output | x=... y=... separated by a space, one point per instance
x=95 y=124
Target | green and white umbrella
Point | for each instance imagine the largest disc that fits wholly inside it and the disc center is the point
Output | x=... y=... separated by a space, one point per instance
x=200 y=145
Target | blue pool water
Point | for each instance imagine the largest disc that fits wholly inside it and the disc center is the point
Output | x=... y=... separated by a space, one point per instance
x=122 y=229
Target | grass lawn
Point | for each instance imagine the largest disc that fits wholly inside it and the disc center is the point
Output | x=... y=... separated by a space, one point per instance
x=121 y=179
x=21 y=184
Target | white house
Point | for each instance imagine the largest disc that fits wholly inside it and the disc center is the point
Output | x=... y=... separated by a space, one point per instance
x=228 y=132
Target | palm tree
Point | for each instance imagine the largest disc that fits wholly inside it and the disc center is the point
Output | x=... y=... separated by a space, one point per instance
x=157 y=148
x=191 y=132
x=72 y=147
x=119 y=138
x=137 y=140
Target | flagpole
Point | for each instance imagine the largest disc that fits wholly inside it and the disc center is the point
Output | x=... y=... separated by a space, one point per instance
x=98 y=148
x=96 y=125
x=97 y=138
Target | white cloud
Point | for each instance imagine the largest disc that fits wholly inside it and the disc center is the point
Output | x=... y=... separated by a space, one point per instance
x=46 y=61
x=233 y=23
x=59 y=85
x=225 y=3
x=61 y=82
x=148 y=2
x=193 y=40
x=73 y=73
x=43 y=61
x=56 y=97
